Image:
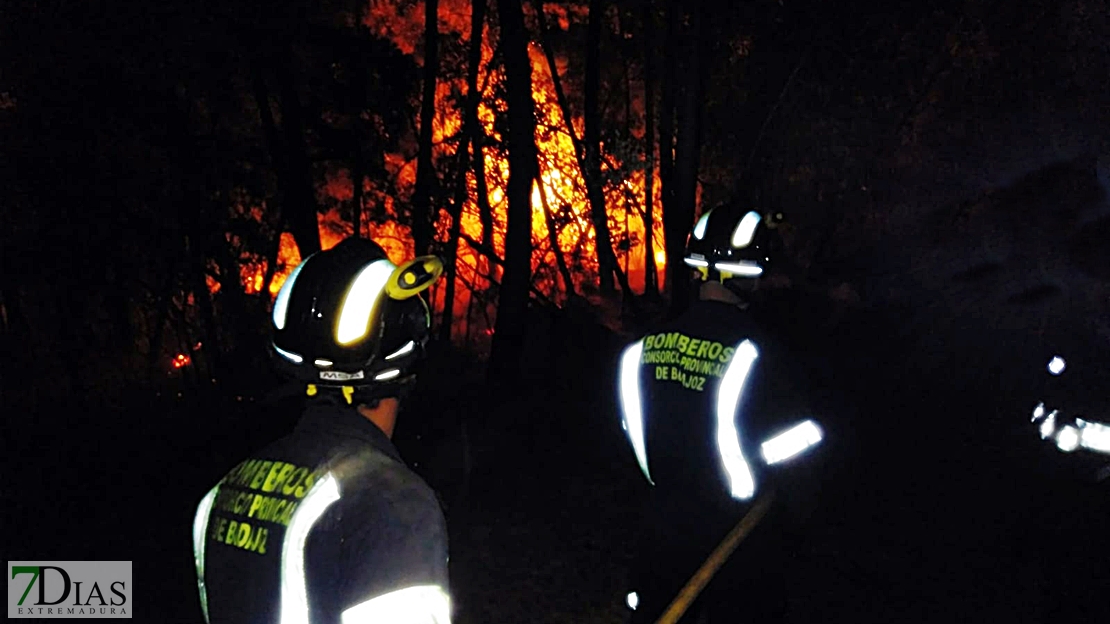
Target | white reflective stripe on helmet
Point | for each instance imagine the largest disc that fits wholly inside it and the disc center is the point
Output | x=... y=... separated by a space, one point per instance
x=281 y=302
x=358 y=303
x=742 y=483
x=292 y=357
x=294 y=593
x=745 y=230
x=744 y=267
x=408 y=347
x=792 y=442
x=632 y=414
x=421 y=604
x=200 y=530
x=699 y=228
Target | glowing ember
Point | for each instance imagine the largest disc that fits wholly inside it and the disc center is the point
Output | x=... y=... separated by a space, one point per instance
x=181 y=360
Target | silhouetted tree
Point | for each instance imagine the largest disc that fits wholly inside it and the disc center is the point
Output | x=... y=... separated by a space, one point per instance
x=423 y=213
x=508 y=339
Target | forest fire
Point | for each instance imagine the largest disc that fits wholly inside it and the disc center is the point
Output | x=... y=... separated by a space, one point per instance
x=563 y=235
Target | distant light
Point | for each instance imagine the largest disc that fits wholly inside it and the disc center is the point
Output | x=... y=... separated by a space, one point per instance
x=1038 y=411
x=324 y=363
x=181 y=360
x=695 y=262
x=633 y=600
x=1057 y=365
x=1094 y=436
x=1067 y=439
x=1048 y=426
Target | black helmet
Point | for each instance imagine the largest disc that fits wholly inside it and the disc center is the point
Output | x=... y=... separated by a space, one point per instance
x=350 y=318
x=729 y=242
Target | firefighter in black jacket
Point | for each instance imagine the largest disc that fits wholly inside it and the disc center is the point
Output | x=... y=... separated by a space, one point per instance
x=711 y=417
x=327 y=524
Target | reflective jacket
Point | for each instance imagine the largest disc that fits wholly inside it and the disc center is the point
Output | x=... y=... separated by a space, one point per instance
x=706 y=406
x=326 y=525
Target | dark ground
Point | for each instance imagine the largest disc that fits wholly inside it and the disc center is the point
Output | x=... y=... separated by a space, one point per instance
x=938 y=503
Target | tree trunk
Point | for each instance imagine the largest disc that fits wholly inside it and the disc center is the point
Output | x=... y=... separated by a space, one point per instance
x=650 y=272
x=776 y=52
x=580 y=156
x=678 y=217
x=606 y=261
x=452 y=249
x=508 y=339
x=198 y=280
x=553 y=239
x=669 y=84
x=358 y=125
x=273 y=142
x=201 y=221
x=300 y=196
x=477 y=142
x=472 y=130
x=358 y=171
x=158 y=333
x=478 y=137
x=14 y=375
x=273 y=253
x=422 y=213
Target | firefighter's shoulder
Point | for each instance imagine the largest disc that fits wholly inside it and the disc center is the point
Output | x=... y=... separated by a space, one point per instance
x=393 y=494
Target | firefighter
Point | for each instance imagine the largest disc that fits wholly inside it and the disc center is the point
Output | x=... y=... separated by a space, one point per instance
x=328 y=524
x=712 y=419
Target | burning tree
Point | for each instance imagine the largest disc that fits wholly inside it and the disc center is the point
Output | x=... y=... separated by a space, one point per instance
x=466 y=174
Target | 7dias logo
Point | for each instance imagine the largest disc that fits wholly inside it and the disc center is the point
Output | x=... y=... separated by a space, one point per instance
x=69 y=589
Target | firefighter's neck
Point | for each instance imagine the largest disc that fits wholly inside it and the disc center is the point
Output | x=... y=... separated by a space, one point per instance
x=384 y=415
x=716 y=291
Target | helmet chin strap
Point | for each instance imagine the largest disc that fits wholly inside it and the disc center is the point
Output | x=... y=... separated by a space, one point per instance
x=369 y=395
x=347 y=392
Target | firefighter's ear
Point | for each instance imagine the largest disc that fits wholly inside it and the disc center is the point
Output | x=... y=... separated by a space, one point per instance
x=413 y=277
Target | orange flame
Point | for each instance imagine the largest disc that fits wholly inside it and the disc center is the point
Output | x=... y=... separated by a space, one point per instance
x=560 y=190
